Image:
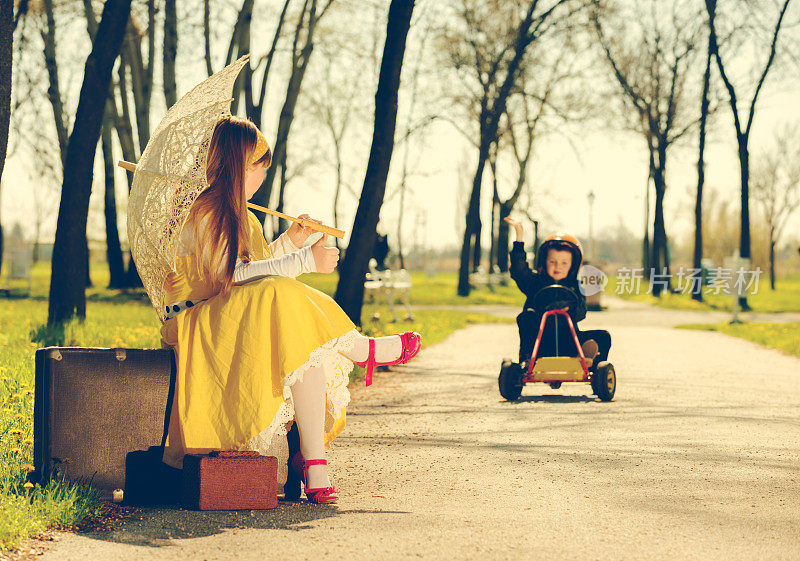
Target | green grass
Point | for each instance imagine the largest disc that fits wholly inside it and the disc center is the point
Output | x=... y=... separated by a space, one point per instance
x=27 y=512
x=785 y=297
x=126 y=319
x=781 y=336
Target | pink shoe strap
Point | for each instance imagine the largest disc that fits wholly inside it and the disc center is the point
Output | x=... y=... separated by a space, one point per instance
x=316 y=463
x=322 y=495
x=410 y=349
x=322 y=490
x=370 y=362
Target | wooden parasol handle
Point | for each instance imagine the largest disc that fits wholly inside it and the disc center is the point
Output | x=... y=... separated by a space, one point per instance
x=302 y=221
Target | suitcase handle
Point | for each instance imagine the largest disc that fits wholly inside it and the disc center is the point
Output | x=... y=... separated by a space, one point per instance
x=234 y=454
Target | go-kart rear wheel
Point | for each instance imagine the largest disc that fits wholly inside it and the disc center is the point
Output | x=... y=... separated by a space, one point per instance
x=604 y=381
x=510 y=380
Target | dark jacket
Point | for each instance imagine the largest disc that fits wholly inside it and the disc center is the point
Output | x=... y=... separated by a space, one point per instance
x=530 y=282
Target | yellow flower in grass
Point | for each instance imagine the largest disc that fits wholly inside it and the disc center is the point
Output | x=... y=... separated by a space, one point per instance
x=19 y=417
x=28 y=467
x=15 y=432
x=28 y=441
x=16 y=451
x=28 y=486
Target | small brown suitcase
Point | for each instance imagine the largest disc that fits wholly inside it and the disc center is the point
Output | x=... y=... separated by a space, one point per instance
x=230 y=480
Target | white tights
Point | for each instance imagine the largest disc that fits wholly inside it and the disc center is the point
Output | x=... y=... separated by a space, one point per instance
x=309 y=402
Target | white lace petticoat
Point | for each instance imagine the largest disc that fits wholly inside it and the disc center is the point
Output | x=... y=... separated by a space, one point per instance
x=329 y=356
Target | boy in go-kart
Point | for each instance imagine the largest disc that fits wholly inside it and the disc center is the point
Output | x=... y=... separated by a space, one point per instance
x=557 y=262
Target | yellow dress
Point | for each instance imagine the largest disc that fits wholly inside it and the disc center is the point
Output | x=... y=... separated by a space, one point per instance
x=238 y=356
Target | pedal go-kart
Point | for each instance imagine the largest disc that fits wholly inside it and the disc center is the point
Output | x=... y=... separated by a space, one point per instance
x=555 y=370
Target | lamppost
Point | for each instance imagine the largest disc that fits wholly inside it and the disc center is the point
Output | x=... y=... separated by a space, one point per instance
x=591 y=223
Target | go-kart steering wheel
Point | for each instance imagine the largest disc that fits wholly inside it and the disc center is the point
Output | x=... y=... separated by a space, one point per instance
x=554 y=297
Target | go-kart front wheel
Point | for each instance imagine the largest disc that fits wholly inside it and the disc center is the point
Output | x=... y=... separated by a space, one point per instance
x=604 y=381
x=510 y=380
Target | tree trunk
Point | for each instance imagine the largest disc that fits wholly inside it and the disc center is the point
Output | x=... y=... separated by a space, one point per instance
x=744 y=232
x=336 y=195
x=493 y=236
x=350 y=290
x=660 y=262
x=170 y=52
x=6 y=39
x=400 y=214
x=141 y=73
x=142 y=88
x=67 y=284
x=123 y=123
x=472 y=222
x=495 y=204
x=87 y=276
x=772 y=259
x=116 y=268
x=207 y=36
x=243 y=22
x=125 y=136
x=657 y=259
x=54 y=89
x=489 y=120
x=697 y=291
x=502 y=238
x=743 y=134
x=300 y=63
x=253 y=107
x=283 y=224
x=476 y=247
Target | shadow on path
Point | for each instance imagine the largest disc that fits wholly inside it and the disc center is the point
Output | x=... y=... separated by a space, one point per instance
x=158 y=527
x=557 y=398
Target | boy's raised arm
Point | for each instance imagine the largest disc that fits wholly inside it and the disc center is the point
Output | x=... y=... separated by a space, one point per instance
x=519 y=268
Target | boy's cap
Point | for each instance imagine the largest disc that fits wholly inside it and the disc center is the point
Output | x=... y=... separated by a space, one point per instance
x=565 y=238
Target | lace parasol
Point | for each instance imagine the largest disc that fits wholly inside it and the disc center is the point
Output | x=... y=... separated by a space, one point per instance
x=169 y=176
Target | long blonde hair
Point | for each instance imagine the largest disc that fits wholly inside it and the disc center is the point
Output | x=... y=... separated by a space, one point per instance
x=222 y=206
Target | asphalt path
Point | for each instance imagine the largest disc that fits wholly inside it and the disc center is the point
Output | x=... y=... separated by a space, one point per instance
x=698 y=457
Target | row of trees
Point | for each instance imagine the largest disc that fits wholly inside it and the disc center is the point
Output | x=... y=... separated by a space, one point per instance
x=509 y=73
x=124 y=113
x=669 y=63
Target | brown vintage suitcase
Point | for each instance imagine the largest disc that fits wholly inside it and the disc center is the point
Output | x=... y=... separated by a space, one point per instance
x=94 y=407
x=232 y=480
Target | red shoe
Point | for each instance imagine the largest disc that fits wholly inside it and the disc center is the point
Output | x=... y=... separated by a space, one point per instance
x=317 y=495
x=412 y=342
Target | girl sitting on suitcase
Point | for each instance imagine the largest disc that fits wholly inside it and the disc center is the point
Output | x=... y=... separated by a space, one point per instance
x=255 y=348
x=557 y=262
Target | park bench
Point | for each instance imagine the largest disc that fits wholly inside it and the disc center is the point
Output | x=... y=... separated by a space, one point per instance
x=388 y=286
x=481 y=278
x=17 y=262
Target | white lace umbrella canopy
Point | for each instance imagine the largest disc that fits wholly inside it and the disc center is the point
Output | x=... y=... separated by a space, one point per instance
x=169 y=176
